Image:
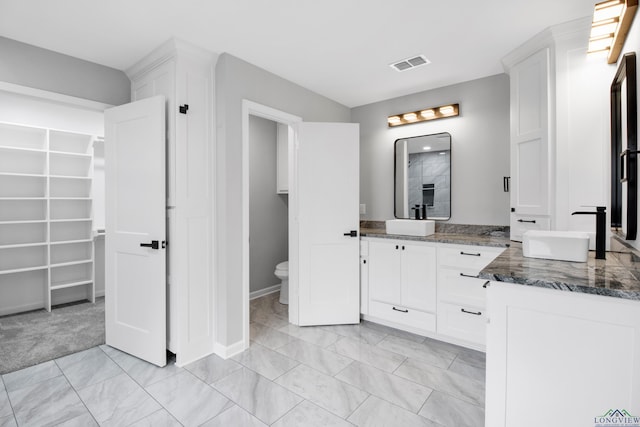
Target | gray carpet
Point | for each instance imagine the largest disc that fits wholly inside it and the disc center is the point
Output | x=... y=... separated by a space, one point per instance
x=30 y=338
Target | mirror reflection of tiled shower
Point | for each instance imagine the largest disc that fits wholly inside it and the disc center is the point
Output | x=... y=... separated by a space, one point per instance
x=432 y=172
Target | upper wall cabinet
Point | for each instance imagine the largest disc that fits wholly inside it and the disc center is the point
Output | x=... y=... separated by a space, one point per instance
x=530 y=136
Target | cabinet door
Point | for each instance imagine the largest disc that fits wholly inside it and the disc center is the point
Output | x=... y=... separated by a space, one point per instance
x=574 y=355
x=384 y=272
x=530 y=135
x=419 y=277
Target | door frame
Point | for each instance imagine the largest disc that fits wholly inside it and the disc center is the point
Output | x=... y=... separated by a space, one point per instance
x=250 y=108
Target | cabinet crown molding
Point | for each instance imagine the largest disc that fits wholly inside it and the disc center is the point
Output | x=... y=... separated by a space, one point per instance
x=170 y=49
x=549 y=37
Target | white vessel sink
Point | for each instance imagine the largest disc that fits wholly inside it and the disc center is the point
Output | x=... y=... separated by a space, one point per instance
x=557 y=245
x=410 y=227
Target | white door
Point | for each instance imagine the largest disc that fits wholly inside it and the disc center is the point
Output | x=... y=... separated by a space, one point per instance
x=135 y=269
x=328 y=223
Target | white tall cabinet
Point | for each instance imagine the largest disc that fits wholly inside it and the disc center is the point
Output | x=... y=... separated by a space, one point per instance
x=184 y=75
x=559 y=130
x=530 y=143
x=46 y=215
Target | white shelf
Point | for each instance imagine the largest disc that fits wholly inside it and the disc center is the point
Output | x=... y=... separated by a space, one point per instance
x=23 y=198
x=66 y=264
x=66 y=242
x=46 y=179
x=31 y=150
x=22 y=270
x=29 y=175
x=72 y=220
x=71 y=284
x=69 y=154
x=68 y=177
x=23 y=245
x=30 y=221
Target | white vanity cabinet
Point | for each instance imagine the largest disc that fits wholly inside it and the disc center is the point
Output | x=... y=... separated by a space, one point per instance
x=559 y=358
x=461 y=294
x=402 y=283
x=428 y=288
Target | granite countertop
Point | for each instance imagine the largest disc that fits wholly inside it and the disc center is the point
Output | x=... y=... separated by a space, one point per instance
x=458 y=234
x=453 y=238
x=617 y=276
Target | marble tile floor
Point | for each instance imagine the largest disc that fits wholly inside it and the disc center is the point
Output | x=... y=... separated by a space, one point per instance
x=347 y=375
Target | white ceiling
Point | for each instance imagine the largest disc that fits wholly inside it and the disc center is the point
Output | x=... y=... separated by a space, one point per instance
x=338 y=48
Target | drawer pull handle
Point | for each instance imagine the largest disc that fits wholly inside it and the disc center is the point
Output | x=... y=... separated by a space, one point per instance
x=486 y=284
x=470 y=275
x=530 y=221
x=475 y=313
x=469 y=253
x=400 y=310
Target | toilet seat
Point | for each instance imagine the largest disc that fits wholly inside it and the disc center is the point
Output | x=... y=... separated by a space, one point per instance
x=283 y=267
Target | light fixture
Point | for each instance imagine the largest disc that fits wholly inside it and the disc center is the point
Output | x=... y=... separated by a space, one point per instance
x=394 y=120
x=432 y=113
x=426 y=147
x=611 y=22
x=410 y=117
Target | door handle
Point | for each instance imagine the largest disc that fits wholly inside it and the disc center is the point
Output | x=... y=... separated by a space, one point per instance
x=400 y=310
x=531 y=221
x=155 y=244
x=475 y=313
x=469 y=275
x=352 y=233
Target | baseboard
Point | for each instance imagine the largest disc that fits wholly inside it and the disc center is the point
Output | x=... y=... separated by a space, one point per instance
x=265 y=291
x=99 y=293
x=423 y=333
x=230 y=350
x=21 y=308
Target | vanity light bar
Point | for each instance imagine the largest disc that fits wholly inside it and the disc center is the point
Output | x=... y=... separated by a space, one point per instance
x=611 y=22
x=431 y=113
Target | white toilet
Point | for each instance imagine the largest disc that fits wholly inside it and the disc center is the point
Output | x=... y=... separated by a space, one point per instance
x=282 y=273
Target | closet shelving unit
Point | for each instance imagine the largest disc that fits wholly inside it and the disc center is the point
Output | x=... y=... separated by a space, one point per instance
x=46 y=213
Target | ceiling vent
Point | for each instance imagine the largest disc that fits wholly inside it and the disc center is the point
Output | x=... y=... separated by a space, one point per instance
x=409 y=63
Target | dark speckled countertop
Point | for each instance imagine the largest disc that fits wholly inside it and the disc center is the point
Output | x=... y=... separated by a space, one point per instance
x=458 y=234
x=617 y=276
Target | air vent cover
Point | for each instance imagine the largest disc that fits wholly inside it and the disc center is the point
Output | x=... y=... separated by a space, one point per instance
x=409 y=63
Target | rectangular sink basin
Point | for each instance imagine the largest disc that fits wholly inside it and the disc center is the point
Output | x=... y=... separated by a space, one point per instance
x=557 y=245
x=411 y=227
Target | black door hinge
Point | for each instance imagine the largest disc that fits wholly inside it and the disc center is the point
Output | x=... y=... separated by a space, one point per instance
x=184 y=108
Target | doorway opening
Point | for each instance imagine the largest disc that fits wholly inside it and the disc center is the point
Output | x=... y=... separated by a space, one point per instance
x=259 y=125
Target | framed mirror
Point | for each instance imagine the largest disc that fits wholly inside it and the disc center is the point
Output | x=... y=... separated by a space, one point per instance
x=624 y=148
x=423 y=176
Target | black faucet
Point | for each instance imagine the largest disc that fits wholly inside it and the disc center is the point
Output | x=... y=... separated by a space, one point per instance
x=601 y=229
x=420 y=212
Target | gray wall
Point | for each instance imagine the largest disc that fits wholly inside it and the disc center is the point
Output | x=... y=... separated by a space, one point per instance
x=479 y=149
x=268 y=211
x=237 y=80
x=34 y=67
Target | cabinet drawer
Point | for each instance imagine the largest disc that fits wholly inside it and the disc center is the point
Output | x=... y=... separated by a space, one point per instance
x=462 y=322
x=403 y=315
x=522 y=223
x=473 y=258
x=455 y=286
